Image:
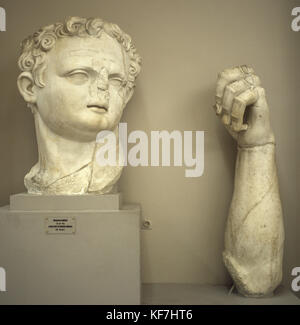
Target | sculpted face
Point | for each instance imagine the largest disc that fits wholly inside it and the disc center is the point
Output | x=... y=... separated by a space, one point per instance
x=84 y=87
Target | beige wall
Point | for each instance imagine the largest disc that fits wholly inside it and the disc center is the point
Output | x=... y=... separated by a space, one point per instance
x=184 y=44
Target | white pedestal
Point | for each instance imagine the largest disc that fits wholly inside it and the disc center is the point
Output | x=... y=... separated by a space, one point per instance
x=95 y=261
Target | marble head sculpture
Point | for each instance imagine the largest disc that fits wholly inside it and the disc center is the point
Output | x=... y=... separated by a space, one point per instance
x=77 y=78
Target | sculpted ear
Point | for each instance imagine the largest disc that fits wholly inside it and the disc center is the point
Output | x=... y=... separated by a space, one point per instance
x=26 y=87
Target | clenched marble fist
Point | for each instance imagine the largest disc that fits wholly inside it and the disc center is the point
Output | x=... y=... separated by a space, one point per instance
x=254 y=233
x=237 y=89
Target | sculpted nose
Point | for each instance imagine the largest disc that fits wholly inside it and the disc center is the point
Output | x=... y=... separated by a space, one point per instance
x=99 y=88
x=102 y=85
x=102 y=80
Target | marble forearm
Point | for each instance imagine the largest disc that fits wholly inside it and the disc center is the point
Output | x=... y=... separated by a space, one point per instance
x=254 y=233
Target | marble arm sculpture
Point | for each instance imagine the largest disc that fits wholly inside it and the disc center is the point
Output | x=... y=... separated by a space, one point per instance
x=254 y=233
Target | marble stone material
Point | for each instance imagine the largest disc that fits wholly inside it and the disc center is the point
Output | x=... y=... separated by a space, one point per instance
x=254 y=235
x=77 y=78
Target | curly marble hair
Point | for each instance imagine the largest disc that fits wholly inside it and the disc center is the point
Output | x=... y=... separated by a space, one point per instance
x=35 y=47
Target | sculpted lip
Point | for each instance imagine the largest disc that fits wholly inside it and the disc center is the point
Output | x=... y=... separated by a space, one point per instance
x=98 y=108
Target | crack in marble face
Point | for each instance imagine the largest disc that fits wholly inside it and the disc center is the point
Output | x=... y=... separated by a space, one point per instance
x=82 y=87
x=77 y=78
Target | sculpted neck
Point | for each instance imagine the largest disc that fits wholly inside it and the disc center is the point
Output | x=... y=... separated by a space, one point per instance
x=59 y=156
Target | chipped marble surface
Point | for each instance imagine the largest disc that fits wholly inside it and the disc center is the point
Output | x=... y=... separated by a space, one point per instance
x=254 y=235
x=77 y=78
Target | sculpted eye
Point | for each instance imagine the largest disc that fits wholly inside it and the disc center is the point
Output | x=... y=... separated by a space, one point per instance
x=78 y=77
x=116 y=80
